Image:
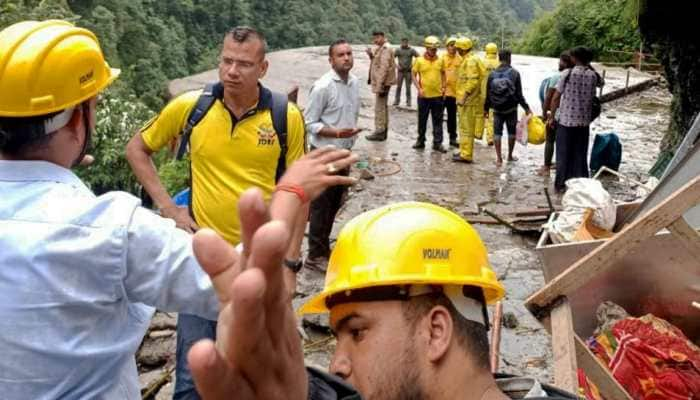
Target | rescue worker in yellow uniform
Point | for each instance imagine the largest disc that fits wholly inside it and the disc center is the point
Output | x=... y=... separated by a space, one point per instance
x=451 y=62
x=490 y=63
x=469 y=100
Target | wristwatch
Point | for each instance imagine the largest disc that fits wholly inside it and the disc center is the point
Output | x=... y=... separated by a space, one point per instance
x=294 y=265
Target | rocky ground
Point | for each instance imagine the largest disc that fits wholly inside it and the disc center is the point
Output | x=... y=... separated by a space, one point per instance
x=400 y=173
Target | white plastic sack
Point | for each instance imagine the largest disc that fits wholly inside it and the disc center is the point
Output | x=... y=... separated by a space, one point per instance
x=582 y=194
x=521 y=130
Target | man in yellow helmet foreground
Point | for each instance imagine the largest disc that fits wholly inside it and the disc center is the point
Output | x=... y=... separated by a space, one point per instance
x=79 y=273
x=407 y=287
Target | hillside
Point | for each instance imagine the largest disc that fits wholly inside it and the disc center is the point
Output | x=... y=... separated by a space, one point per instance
x=154 y=41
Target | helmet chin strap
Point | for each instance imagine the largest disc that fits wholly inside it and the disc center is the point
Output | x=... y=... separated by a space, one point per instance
x=85 y=109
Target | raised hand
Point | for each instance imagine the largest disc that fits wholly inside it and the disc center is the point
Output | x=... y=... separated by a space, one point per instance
x=257 y=354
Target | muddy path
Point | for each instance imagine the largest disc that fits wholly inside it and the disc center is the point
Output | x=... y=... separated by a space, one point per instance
x=640 y=120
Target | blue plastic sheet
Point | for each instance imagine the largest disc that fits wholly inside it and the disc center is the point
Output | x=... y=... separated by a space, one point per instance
x=607 y=151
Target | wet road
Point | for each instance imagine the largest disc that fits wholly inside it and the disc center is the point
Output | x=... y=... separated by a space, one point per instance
x=639 y=120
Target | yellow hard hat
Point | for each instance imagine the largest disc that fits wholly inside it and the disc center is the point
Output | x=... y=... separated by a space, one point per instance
x=464 y=43
x=406 y=244
x=536 y=130
x=491 y=48
x=450 y=40
x=49 y=66
x=431 y=42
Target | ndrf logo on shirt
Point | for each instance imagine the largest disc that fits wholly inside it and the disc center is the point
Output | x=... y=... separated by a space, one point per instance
x=266 y=135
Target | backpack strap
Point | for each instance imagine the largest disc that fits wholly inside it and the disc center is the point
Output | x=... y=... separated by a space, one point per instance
x=279 y=123
x=211 y=92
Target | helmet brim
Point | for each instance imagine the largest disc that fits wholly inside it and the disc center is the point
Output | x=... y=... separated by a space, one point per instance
x=317 y=304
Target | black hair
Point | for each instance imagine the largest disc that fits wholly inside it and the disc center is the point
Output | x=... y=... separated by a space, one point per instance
x=566 y=57
x=334 y=44
x=242 y=34
x=377 y=33
x=505 y=55
x=18 y=135
x=472 y=336
x=582 y=54
x=404 y=39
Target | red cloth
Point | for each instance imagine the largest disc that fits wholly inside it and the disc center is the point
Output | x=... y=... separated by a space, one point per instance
x=654 y=360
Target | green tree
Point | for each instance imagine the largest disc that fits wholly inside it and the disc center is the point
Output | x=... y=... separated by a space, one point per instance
x=606 y=26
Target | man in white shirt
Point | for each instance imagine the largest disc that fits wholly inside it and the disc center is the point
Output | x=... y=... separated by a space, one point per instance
x=331 y=119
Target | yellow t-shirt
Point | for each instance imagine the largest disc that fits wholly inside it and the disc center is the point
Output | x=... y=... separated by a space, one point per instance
x=227 y=158
x=430 y=74
x=451 y=65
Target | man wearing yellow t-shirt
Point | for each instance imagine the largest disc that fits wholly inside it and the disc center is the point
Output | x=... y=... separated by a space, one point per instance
x=451 y=61
x=233 y=148
x=429 y=79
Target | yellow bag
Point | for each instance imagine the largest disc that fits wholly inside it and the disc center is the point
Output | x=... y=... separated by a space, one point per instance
x=536 y=131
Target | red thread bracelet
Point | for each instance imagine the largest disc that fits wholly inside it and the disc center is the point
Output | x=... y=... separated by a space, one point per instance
x=296 y=189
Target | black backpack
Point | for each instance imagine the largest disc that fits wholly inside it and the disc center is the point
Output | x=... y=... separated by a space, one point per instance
x=211 y=93
x=502 y=89
x=214 y=91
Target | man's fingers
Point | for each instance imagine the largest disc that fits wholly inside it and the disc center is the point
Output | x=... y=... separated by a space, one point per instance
x=270 y=244
x=316 y=153
x=334 y=156
x=337 y=180
x=345 y=162
x=253 y=214
x=248 y=341
x=218 y=259
x=213 y=376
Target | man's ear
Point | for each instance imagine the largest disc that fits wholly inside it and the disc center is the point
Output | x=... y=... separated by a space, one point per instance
x=75 y=123
x=263 y=68
x=440 y=327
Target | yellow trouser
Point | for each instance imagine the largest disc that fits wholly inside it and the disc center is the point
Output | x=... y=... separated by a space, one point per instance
x=469 y=117
x=489 y=127
x=479 y=132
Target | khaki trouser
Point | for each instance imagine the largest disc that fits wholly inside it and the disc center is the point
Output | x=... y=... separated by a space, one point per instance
x=401 y=78
x=381 y=112
x=469 y=121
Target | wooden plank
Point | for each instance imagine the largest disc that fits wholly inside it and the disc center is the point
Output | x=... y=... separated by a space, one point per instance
x=623 y=243
x=564 y=347
x=689 y=237
x=496 y=336
x=598 y=373
x=534 y=212
x=481 y=219
x=616 y=94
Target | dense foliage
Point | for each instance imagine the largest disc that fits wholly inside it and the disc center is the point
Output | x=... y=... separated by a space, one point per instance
x=153 y=41
x=607 y=26
x=156 y=40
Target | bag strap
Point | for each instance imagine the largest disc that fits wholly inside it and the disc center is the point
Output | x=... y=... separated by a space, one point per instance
x=279 y=123
x=204 y=102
